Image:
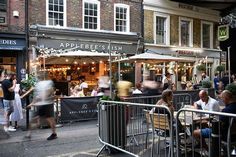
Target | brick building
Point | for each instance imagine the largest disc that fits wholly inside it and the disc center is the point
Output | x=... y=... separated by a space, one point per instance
x=182 y=30
x=13 y=37
x=87 y=25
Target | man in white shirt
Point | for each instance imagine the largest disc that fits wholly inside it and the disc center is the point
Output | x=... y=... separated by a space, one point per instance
x=206 y=102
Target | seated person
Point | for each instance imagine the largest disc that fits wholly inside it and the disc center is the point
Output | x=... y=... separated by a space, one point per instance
x=94 y=91
x=206 y=102
x=229 y=99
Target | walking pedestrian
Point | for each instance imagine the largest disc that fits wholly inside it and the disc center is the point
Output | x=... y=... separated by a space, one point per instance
x=8 y=86
x=43 y=100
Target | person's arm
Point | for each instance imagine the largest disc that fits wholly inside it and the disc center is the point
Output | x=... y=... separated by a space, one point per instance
x=196 y=104
x=11 y=89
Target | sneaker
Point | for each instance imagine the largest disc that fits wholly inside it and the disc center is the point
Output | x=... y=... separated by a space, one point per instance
x=52 y=137
x=10 y=128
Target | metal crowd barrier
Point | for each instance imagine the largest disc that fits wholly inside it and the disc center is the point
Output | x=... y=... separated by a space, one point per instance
x=130 y=128
x=179 y=100
x=221 y=141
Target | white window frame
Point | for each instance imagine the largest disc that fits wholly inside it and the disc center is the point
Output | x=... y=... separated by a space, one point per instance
x=190 y=30
x=64 y=14
x=211 y=33
x=167 y=27
x=98 y=13
x=128 y=16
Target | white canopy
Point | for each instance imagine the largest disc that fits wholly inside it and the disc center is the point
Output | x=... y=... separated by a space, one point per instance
x=152 y=57
x=78 y=56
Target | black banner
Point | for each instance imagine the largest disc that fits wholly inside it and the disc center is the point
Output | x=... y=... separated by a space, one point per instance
x=78 y=108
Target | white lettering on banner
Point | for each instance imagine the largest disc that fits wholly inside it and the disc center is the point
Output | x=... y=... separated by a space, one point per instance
x=90 y=46
x=8 y=42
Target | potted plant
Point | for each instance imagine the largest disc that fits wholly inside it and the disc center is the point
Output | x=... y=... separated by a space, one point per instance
x=220 y=68
x=206 y=84
x=26 y=84
x=201 y=67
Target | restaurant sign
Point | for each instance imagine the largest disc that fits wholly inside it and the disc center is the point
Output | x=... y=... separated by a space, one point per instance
x=12 y=44
x=87 y=46
x=223 y=32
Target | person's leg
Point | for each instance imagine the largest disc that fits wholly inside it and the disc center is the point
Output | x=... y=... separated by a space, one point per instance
x=33 y=120
x=8 y=109
x=200 y=136
x=51 y=122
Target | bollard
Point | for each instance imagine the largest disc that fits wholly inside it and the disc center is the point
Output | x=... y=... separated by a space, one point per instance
x=215 y=136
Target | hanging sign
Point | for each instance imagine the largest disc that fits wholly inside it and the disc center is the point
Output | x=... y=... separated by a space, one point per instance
x=223 y=32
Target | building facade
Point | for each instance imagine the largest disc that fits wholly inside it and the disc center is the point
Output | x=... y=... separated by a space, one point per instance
x=13 y=55
x=87 y=25
x=182 y=30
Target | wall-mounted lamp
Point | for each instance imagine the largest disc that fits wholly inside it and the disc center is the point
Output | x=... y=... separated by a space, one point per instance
x=16 y=13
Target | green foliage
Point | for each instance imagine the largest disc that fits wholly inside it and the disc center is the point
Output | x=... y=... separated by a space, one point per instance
x=206 y=84
x=30 y=82
x=232 y=88
x=220 y=68
x=201 y=67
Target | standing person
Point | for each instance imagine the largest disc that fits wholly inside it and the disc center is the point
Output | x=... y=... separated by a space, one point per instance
x=44 y=100
x=17 y=114
x=8 y=86
x=216 y=82
x=167 y=82
x=184 y=81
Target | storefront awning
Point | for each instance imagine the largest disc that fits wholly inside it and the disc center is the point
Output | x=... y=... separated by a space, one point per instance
x=79 y=57
x=153 y=57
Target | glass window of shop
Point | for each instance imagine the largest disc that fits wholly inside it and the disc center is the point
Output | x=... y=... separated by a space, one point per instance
x=56 y=12
x=207 y=35
x=7 y=64
x=185 y=68
x=91 y=15
x=186 y=32
x=121 y=18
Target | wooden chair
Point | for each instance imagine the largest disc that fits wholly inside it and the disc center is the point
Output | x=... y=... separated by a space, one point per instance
x=160 y=125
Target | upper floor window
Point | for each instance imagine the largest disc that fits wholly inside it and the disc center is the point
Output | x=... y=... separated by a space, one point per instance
x=91 y=14
x=207 y=35
x=186 y=32
x=56 y=12
x=3 y=5
x=122 y=21
x=161 y=29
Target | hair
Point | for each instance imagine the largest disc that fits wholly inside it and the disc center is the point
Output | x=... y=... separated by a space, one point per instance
x=165 y=94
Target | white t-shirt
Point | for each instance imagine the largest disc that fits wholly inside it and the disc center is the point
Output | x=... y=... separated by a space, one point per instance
x=83 y=85
x=211 y=105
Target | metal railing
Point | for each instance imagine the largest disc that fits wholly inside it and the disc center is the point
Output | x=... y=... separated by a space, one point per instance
x=124 y=126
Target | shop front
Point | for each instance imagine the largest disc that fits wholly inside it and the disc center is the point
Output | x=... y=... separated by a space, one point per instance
x=210 y=59
x=12 y=54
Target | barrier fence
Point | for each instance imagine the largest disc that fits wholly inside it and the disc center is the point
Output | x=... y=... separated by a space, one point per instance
x=128 y=127
x=132 y=129
x=179 y=100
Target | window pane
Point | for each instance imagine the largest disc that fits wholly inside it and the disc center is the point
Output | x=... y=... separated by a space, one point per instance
x=206 y=35
x=185 y=26
x=121 y=19
x=55 y=12
x=90 y=16
x=160 y=30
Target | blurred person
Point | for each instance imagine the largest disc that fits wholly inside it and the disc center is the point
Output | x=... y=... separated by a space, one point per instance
x=8 y=86
x=206 y=102
x=150 y=87
x=43 y=100
x=184 y=81
x=167 y=82
x=124 y=88
x=205 y=77
x=94 y=91
x=17 y=115
x=216 y=81
x=83 y=86
x=225 y=79
x=137 y=89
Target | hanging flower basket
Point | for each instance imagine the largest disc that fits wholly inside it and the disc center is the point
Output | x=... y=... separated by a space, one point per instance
x=220 y=68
